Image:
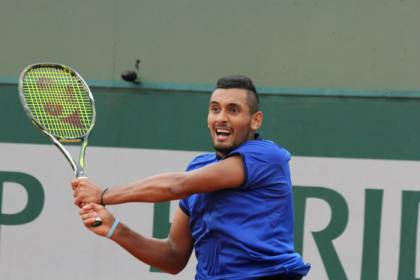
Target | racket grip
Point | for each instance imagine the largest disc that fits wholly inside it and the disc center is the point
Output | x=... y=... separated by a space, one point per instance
x=97 y=222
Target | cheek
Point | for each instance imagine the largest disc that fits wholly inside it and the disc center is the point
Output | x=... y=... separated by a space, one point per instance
x=209 y=121
x=242 y=130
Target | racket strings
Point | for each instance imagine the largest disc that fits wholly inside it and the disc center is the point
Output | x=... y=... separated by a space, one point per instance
x=59 y=101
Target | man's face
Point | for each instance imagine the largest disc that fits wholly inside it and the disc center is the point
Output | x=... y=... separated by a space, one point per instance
x=229 y=119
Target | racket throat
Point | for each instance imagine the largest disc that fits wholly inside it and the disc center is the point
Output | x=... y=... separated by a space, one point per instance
x=80 y=173
x=80 y=168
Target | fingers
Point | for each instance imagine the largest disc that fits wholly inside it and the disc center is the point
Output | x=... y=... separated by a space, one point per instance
x=76 y=190
x=78 y=202
x=74 y=183
x=97 y=207
x=86 y=208
x=89 y=221
x=85 y=191
x=90 y=210
x=88 y=214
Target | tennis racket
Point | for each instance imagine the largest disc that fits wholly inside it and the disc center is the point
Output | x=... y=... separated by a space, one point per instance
x=60 y=104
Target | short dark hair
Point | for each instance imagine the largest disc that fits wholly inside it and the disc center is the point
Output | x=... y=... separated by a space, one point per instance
x=242 y=82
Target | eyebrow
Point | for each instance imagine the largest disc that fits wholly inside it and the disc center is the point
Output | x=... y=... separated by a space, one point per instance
x=230 y=104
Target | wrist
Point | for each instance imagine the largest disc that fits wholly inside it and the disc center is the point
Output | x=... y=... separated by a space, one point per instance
x=101 y=200
x=113 y=228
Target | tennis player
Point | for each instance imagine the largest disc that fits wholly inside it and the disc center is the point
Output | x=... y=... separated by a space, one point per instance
x=235 y=205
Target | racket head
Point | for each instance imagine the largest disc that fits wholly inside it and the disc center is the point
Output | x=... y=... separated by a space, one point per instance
x=57 y=100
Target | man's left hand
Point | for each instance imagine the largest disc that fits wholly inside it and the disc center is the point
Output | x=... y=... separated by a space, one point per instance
x=85 y=191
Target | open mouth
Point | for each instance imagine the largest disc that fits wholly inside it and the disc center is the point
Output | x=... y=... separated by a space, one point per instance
x=222 y=133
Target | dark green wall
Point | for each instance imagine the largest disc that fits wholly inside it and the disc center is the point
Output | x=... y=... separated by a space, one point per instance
x=352 y=127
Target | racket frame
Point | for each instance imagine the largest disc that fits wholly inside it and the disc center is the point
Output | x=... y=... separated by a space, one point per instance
x=78 y=167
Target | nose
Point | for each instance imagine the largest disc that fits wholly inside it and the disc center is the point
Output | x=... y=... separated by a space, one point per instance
x=221 y=116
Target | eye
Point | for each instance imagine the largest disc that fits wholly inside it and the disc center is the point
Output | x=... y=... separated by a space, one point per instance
x=214 y=109
x=234 y=109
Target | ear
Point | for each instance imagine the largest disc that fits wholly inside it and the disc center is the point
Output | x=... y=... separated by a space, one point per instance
x=257 y=120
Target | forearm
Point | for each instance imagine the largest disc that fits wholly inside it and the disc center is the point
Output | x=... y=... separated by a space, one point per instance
x=158 y=253
x=228 y=173
x=163 y=187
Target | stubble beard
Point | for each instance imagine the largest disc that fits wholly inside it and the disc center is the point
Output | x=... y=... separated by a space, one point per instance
x=222 y=150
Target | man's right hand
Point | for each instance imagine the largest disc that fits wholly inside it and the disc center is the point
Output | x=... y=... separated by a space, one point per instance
x=90 y=211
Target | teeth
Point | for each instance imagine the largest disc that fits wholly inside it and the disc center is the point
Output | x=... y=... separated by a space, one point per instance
x=220 y=130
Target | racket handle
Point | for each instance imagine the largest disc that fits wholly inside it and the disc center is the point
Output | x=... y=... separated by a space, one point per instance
x=98 y=220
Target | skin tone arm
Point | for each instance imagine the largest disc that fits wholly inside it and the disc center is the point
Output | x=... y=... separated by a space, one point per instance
x=170 y=255
x=228 y=173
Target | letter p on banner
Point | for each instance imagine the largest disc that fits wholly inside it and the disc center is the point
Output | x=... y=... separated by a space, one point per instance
x=35 y=198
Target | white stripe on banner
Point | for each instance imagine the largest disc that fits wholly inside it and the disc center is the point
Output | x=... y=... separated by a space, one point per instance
x=55 y=245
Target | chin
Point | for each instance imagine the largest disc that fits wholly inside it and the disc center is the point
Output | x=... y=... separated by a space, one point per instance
x=223 y=149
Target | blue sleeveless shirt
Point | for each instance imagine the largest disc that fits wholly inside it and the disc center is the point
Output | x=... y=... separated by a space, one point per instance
x=246 y=232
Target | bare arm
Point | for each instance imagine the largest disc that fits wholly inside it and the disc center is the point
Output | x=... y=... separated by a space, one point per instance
x=170 y=255
x=225 y=174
